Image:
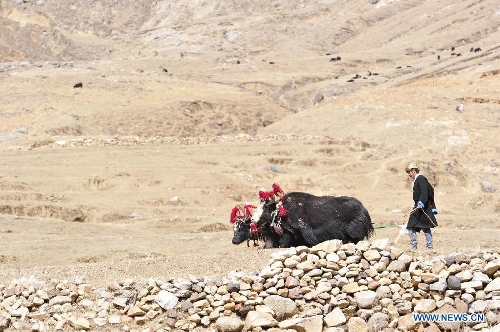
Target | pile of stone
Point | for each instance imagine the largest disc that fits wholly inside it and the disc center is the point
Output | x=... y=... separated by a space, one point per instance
x=330 y=287
x=135 y=140
x=24 y=65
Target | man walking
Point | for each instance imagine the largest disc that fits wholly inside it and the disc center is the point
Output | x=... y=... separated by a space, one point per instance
x=422 y=216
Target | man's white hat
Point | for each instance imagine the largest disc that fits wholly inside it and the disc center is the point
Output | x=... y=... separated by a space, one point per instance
x=412 y=165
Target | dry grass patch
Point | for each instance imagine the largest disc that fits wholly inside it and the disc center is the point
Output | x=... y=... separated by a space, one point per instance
x=279 y=161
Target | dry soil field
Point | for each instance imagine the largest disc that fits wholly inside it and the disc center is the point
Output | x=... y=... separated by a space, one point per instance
x=189 y=108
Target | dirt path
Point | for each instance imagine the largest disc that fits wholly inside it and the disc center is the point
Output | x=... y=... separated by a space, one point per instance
x=47 y=248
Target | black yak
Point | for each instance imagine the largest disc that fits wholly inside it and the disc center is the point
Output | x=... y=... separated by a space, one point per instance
x=243 y=231
x=314 y=219
x=78 y=85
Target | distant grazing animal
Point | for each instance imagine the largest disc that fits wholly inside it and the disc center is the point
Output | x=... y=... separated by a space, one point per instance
x=453 y=48
x=78 y=85
x=477 y=49
x=314 y=219
x=453 y=53
x=339 y=58
x=333 y=59
x=327 y=53
x=350 y=81
x=459 y=54
x=439 y=57
x=238 y=62
x=399 y=67
x=271 y=62
x=472 y=49
x=165 y=70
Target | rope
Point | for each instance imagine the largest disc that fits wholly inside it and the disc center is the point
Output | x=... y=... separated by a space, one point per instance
x=415 y=209
x=407 y=214
x=384 y=226
x=432 y=222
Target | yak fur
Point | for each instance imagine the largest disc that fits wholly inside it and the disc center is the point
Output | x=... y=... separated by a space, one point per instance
x=315 y=219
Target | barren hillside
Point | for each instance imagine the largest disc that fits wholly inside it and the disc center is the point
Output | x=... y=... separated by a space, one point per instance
x=189 y=107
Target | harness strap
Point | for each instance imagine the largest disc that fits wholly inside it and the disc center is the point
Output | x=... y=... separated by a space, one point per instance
x=276 y=222
x=254 y=229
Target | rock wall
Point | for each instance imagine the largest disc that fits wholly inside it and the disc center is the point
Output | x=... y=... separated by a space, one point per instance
x=330 y=287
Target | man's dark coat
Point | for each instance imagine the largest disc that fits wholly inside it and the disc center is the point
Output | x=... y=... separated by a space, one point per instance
x=422 y=191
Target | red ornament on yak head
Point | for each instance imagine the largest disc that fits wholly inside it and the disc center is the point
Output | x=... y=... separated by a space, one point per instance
x=265 y=195
x=277 y=190
x=235 y=214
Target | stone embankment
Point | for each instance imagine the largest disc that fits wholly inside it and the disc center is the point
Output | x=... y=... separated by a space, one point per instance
x=157 y=140
x=25 y=65
x=330 y=287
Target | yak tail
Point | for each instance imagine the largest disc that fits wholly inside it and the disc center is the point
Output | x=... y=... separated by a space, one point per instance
x=360 y=228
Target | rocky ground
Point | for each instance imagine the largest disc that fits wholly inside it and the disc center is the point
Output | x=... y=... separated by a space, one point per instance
x=330 y=287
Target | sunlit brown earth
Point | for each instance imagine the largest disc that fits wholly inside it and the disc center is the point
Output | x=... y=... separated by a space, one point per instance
x=135 y=174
